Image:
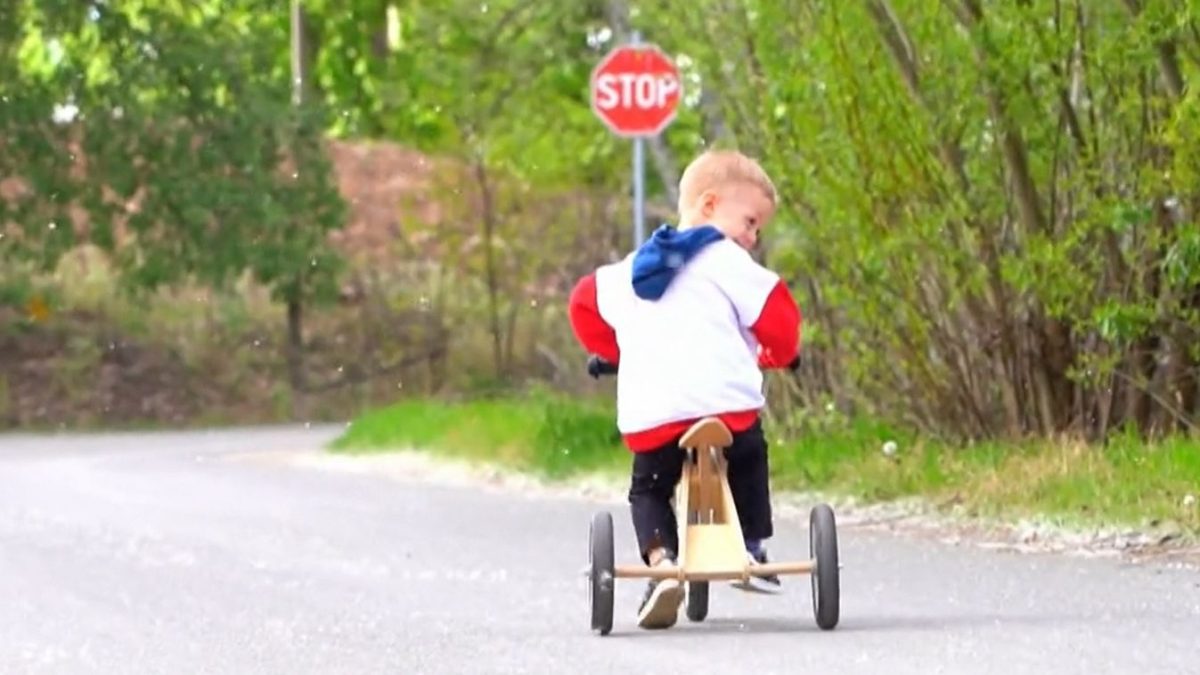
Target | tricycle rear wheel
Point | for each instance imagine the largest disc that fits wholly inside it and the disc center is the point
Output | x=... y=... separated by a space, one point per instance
x=823 y=548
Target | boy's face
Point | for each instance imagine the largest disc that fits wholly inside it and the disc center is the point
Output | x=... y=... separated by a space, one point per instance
x=740 y=211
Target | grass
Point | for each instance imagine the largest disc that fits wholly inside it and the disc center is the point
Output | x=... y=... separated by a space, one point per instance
x=542 y=434
x=1124 y=483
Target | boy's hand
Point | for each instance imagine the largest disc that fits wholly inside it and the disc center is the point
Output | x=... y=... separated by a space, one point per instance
x=766 y=360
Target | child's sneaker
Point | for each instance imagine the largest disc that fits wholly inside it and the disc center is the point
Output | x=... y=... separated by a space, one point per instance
x=660 y=604
x=766 y=583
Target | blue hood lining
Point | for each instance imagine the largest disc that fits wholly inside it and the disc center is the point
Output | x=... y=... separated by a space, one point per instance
x=660 y=257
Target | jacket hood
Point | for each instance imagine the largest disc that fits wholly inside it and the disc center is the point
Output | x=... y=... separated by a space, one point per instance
x=660 y=257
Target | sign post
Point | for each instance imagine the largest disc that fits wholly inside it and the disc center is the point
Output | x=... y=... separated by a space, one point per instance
x=639 y=175
x=635 y=91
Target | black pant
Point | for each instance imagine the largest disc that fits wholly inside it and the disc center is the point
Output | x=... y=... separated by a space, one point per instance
x=656 y=473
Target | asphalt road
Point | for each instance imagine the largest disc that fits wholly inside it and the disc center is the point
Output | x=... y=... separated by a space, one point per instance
x=222 y=552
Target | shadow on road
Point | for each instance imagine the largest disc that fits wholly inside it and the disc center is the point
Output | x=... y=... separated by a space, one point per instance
x=943 y=623
x=863 y=624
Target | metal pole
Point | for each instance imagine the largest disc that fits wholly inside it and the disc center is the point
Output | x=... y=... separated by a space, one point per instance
x=639 y=175
x=639 y=191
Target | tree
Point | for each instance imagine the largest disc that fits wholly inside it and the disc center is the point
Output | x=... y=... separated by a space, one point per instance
x=499 y=91
x=185 y=158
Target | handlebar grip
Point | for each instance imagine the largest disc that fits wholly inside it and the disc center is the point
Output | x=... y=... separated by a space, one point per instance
x=597 y=366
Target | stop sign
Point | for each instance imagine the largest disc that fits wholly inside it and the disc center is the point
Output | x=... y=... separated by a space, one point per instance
x=636 y=90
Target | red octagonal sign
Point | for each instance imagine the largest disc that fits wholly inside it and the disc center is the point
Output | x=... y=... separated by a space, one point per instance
x=636 y=90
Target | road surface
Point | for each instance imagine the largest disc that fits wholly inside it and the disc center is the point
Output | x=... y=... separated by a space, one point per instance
x=222 y=552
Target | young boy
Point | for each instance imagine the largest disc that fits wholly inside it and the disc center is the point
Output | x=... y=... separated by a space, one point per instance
x=691 y=318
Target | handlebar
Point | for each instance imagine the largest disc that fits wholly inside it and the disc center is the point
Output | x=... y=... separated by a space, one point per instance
x=597 y=366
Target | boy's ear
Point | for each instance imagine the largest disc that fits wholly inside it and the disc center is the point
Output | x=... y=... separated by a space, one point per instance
x=708 y=203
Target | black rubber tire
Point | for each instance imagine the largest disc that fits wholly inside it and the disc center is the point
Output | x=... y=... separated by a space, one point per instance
x=601 y=573
x=826 y=583
x=697 y=601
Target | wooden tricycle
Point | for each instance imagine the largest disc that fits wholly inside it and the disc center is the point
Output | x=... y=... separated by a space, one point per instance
x=711 y=547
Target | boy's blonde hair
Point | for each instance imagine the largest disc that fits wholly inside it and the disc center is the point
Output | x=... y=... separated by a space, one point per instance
x=714 y=169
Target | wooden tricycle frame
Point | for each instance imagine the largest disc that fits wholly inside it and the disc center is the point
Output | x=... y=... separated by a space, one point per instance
x=710 y=537
x=711 y=547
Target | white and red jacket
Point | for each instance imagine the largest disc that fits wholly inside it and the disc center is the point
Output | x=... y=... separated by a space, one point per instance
x=691 y=318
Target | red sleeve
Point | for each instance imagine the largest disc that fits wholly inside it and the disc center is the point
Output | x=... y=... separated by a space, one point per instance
x=778 y=328
x=592 y=331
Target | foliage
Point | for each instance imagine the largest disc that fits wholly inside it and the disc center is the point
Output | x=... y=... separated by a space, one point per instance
x=176 y=146
x=496 y=87
x=989 y=208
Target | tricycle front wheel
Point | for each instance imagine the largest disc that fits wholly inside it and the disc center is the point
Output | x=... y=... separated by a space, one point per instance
x=601 y=572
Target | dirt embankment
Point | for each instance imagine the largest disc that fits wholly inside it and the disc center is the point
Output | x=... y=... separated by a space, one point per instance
x=75 y=368
x=78 y=371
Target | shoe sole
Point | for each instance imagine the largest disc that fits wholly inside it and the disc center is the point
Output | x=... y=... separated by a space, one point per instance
x=662 y=609
x=752 y=587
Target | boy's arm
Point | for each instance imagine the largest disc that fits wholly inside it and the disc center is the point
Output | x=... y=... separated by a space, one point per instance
x=593 y=332
x=764 y=306
x=777 y=328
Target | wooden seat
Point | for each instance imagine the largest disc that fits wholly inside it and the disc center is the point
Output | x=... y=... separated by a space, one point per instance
x=709 y=432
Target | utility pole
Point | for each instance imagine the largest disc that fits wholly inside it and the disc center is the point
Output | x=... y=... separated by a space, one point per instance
x=295 y=306
x=298 y=65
